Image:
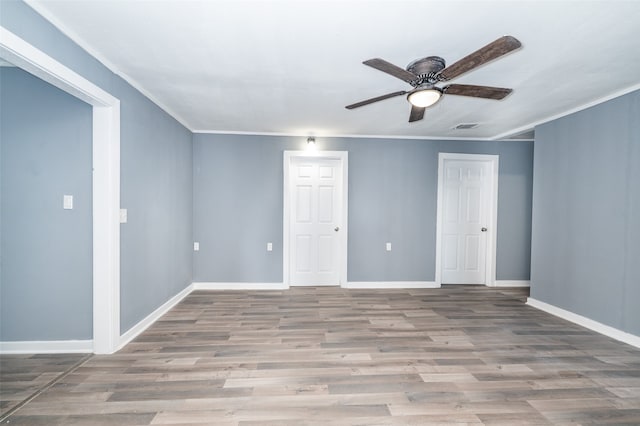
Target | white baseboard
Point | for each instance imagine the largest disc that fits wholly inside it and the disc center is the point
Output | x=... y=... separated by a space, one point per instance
x=391 y=284
x=47 y=347
x=511 y=283
x=596 y=326
x=238 y=286
x=282 y=286
x=134 y=331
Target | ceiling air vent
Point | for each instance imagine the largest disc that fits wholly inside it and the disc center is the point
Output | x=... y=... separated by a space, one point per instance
x=466 y=126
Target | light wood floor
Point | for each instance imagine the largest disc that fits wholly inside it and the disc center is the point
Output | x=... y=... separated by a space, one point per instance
x=306 y=356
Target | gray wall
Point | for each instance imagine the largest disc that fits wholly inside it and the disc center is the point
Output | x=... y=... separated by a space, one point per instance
x=586 y=213
x=156 y=189
x=46 y=276
x=156 y=173
x=238 y=202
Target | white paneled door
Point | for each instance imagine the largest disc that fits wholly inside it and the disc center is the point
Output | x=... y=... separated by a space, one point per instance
x=315 y=192
x=466 y=220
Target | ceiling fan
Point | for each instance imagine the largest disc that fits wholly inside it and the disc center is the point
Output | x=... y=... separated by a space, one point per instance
x=423 y=75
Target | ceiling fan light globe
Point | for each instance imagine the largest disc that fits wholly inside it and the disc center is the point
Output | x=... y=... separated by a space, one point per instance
x=424 y=98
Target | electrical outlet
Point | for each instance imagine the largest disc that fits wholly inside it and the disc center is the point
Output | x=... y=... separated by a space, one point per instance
x=388 y=246
x=67 y=202
x=196 y=246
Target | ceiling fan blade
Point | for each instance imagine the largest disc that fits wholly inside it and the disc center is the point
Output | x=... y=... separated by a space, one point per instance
x=376 y=99
x=417 y=113
x=477 y=91
x=491 y=51
x=389 y=68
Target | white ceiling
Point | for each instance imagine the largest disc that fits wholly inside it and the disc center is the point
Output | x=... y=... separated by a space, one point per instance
x=290 y=67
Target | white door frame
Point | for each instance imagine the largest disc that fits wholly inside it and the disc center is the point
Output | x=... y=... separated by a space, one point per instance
x=105 y=182
x=343 y=156
x=492 y=160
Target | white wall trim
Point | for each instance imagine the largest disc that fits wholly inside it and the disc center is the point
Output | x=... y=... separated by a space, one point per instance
x=106 y=228
x=390 y=284
x=579 y=108
x=29 y=58
x=493 y=160
x=105 y=182
x=343 y=156
x=512 y=283
x=319 y=136
x=596 y=326
x=134 y=331
x=238 y=286
x=47 y=347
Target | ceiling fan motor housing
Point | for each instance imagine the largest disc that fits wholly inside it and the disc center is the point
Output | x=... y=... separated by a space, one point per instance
x=426 y=69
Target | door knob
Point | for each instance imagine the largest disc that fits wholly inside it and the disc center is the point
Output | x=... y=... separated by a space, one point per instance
x=336 y=229
x=483 y=229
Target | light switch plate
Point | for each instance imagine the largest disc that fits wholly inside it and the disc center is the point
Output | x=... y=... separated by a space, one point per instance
x=67 y=202
x=196 y=246
x=123 y=215
x=269 y=246
x=388 y=246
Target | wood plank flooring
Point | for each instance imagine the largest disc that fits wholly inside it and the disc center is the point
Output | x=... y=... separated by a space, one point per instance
x=326 y=355
x=24 y=376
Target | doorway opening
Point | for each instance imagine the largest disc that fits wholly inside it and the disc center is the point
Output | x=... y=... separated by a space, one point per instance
x=105 y=185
